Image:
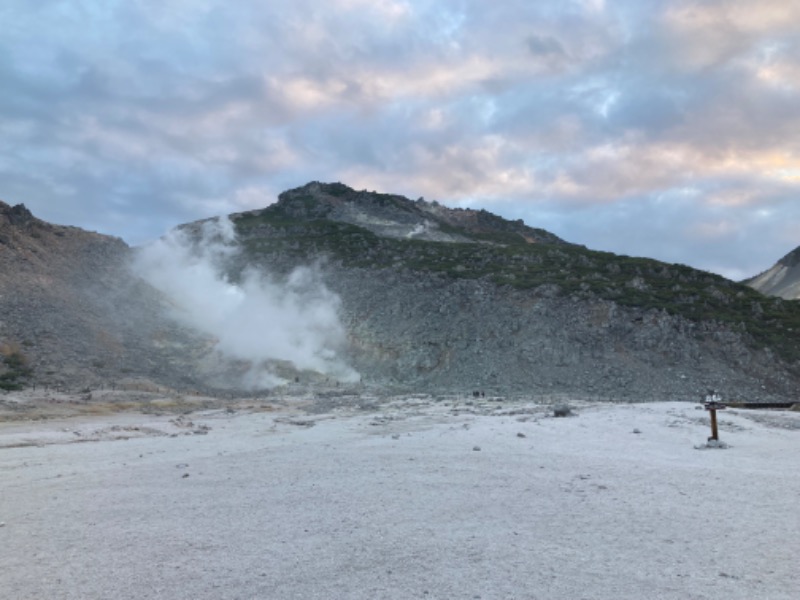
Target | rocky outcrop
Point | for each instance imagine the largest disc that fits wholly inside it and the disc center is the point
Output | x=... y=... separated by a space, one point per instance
x=390 y=215
x=781 y=280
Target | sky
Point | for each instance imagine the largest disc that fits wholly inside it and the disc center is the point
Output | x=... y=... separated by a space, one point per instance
x=667 y=129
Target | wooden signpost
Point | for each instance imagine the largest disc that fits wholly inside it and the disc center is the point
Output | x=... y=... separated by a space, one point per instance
x=712 y=405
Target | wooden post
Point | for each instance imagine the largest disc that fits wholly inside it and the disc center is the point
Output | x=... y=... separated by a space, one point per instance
x=714 y=431
x=712 y=407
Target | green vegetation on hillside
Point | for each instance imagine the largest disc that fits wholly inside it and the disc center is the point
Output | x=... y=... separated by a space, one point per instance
x=16 y=369
x=506 y=259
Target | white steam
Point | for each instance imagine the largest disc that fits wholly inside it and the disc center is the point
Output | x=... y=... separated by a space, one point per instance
x=257 y=320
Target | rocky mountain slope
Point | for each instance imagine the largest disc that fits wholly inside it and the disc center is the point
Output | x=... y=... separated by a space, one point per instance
x=509 y=308
x=73 y=315
x=431 y=299
x=393 y=216
x=782 y=280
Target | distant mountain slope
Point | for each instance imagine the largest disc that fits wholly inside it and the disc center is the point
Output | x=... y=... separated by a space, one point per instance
x=393 y=216
x=70 y=306
x=440 y=298
x=782 y=280
x=431 y=299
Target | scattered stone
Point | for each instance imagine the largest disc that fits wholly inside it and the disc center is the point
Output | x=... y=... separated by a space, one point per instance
x=521 y=435
x=476 y=448
x=562 y=410
x=184 y=476
x=637 y=431
x=712 y=445
x=297 y=422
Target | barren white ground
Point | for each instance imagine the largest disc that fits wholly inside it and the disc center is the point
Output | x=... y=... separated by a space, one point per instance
x=415 y=499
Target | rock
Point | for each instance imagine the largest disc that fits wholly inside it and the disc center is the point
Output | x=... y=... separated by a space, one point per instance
x=562 y=410
x=712 y=445
x=476 y=448
x=521 y=435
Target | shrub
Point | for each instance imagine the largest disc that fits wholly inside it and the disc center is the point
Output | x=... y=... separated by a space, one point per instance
x=17 y=368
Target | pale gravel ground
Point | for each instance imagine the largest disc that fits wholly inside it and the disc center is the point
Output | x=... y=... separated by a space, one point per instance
x=397 y=503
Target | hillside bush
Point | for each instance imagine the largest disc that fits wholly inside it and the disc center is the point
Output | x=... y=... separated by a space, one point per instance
x=16 y=368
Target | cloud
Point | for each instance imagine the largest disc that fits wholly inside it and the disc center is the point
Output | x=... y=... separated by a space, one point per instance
x=716 y=34
x=132 y=117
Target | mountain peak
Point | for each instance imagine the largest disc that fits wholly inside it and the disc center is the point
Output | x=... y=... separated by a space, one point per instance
x=792 y=259
x=395 y=216
x=17 y=215
x=782 y=279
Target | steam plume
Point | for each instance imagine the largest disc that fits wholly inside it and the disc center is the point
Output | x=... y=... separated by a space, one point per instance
x=258 y=319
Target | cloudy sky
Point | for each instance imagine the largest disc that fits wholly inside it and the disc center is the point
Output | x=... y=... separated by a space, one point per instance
x=662 y=128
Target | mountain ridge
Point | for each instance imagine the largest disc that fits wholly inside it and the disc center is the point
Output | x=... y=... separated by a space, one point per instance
x=392 y=215
x=782 y=279
x=558 y=277
x=71 y=307
x=431 y=299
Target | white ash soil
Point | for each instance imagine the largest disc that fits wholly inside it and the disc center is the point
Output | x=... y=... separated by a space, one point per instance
x=414 y=497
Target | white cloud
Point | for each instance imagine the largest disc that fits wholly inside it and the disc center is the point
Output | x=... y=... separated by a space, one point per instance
x=134 y=116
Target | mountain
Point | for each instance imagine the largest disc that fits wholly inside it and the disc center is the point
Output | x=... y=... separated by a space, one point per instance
x=73 y=314
x=393 y=216
x=782 y=280
x=424 y=298
x=481 y=302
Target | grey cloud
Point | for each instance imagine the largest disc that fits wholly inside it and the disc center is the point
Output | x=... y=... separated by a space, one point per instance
x=677 y=228
x=145 y=116
x=545 y=45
